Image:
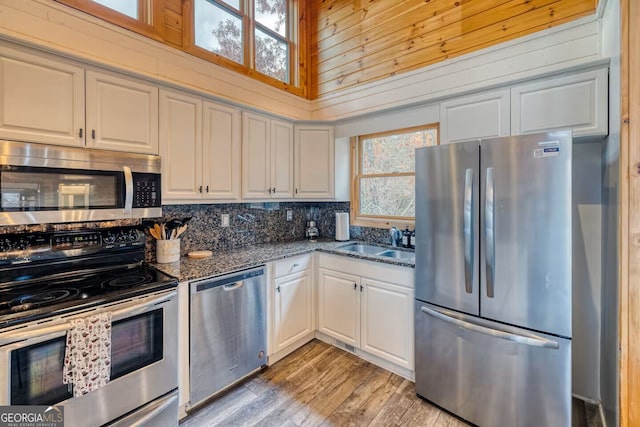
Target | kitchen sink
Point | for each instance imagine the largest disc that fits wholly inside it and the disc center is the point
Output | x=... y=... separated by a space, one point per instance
x=397 y=254
x=363 y=249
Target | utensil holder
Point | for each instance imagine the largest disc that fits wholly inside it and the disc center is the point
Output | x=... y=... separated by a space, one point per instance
x=167 y=251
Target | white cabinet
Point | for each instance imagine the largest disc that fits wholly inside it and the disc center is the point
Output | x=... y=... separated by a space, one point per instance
x=42 y=100
x=293 y=303
x=315 y=162
x=56 y=102
x=577 y=102
x=339 y=306
x=181 y=146
x=267 y=157
x=200 y=149
x=483 y=115
x=386 y=315
x=122 y=113
x=368 y=306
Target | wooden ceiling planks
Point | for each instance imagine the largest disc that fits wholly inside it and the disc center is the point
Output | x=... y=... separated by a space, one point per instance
x=356 y=42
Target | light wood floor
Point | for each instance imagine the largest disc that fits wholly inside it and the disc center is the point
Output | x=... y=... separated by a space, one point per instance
x=321 y=385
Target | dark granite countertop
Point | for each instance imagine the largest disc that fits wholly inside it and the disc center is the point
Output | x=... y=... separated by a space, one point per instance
x=238 y=259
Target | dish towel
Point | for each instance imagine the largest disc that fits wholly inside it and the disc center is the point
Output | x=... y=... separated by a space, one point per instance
x=87 y=358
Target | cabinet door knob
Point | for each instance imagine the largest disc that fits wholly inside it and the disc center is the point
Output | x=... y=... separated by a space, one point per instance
x=274 y=190
x=355 y=286
x=269 y=190
x=93 y=134
x=80 y=133
x=278 y=289
x=361 y=288
x=200 y=189
x=207 y=188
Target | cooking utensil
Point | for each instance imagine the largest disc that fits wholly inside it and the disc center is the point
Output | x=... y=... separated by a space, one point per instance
x=181 y=230
x=154 y=233
x=156 y=228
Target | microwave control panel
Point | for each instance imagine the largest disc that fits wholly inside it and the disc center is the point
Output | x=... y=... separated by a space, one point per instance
x=146 y=190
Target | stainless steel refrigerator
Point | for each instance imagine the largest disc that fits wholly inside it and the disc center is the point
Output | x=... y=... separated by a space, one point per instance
x=493 y=279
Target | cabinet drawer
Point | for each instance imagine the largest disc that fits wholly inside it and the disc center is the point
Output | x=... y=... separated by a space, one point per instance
x=292 y=265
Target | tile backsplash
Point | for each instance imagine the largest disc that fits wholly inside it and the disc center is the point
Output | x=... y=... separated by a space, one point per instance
x=251 y=224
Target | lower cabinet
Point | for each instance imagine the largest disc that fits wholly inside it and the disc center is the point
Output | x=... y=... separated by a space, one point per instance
x=293 y=305
x=372 y=315
x=293 y=309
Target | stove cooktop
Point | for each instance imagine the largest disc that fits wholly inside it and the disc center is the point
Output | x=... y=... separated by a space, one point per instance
x=47 y=274
x=50 y=297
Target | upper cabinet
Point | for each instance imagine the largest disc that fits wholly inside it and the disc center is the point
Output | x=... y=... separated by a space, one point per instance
x=42 y=100
x=45 y=100
x=577 y=102
x=315 y=162
x=200 y=149
x=122 y=114
x=267 y=157
x=477 y=116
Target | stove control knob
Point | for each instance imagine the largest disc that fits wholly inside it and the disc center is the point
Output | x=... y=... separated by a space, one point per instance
x=5 y=245
x=133 y=235
x=109 y=238
x=22 y=245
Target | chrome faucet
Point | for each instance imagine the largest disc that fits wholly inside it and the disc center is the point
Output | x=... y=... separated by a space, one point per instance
x=396 y=236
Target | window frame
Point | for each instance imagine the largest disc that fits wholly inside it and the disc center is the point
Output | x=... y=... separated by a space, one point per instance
x=379 y=221
x=150 y=20
x=296 y=37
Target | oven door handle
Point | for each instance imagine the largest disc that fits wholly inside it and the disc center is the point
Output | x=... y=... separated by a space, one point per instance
x=47 y=333
x=137 y=308
x=61 y=328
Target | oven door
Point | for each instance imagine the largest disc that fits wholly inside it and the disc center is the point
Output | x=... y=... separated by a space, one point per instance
x=143 y=358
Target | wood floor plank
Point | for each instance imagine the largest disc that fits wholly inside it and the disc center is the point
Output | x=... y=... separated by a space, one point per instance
x=306 y=386
x=324 y=404
x=221 y=408
x=366 y=401
x=395 y=408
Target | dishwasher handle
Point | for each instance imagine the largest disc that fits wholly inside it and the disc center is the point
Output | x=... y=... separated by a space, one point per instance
x=229 y=282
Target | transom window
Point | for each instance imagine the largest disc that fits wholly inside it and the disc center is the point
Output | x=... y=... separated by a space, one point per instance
x=126 y=7
x=383 y=178
x=257 y=34
x=142 y=16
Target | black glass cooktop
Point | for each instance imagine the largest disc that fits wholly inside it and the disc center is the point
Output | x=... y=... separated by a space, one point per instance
x=47 y=274
x=47 y=297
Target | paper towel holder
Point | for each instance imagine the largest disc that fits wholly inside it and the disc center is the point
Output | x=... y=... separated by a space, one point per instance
x=342 y=226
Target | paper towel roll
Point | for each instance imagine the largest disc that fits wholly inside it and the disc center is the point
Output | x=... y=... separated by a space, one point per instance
x=342 y=226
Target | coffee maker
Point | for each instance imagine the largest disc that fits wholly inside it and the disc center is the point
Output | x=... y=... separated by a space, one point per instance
x=312 y=232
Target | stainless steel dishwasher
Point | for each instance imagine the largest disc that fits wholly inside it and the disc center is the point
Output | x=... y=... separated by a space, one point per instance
x=228 y=324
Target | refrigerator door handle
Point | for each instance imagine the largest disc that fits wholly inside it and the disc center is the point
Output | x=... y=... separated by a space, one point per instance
x=468 y=230
x=489 y=231
x=532 y=340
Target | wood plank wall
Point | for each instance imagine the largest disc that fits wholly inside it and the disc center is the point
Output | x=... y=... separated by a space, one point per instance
x=630 y=216
x=173 y=26
x=361 y=41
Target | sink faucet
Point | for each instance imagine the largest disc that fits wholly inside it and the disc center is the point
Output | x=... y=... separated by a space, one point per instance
x=396 y=235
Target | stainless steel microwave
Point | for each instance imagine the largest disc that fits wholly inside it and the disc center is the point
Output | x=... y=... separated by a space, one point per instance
x=53 y=184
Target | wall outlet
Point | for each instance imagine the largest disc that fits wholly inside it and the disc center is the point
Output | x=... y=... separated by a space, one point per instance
x=224 y=220
x=289 y=215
